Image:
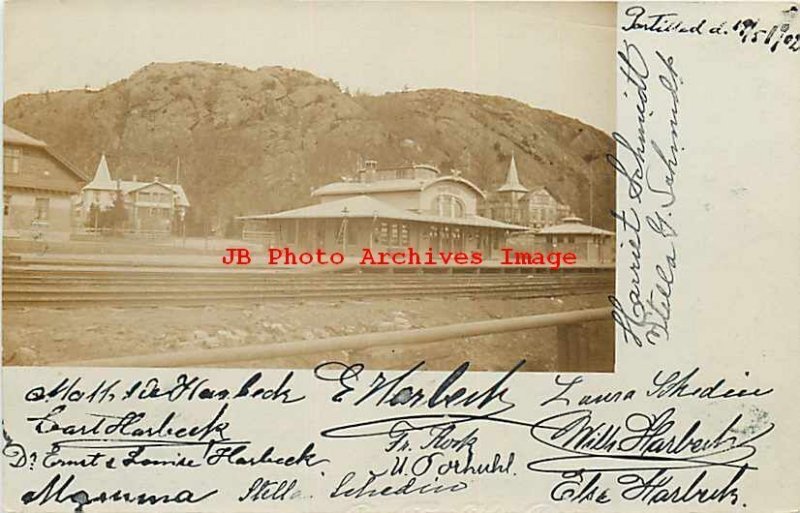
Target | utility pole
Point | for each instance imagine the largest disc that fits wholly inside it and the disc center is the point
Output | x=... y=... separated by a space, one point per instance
x=343 y=230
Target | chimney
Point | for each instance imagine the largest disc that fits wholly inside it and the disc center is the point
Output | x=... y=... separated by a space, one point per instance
x=134 y=178
x=156 y=179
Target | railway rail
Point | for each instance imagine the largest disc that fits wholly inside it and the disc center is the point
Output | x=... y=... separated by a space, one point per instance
x=64 y=288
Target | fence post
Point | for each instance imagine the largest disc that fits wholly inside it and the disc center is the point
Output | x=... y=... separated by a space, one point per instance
x=573 y=348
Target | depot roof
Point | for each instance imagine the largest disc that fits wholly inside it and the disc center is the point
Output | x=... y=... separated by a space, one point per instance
x=573 y=225
x=12 y=136
x=366 y=207
x=395 y=185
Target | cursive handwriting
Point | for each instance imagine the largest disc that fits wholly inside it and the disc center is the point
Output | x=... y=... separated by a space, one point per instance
x=773 y=35
x=643 y=309
x=401 y=391
x=66 y=492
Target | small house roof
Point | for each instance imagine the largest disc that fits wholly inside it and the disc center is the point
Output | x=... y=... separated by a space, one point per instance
x=102 y=181
x=129 y=186
x=367 y=207
x=573 y=226
x=182 y=200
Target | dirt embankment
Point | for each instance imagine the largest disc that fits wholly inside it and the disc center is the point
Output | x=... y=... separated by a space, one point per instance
x=40 y=336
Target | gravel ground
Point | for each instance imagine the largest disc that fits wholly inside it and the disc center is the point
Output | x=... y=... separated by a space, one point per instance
x=39 y=336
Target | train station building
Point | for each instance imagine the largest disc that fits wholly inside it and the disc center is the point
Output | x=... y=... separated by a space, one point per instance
x=591 y=245
x=38 y=186
x=387 y=209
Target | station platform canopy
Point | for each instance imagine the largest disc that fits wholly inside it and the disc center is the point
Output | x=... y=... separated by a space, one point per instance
x=367 y=207
x=573 y=226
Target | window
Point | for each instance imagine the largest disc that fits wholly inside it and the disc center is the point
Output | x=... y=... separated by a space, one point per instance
x=395 y=235
x=571 y=239
x=447 y=205
x=11 y=159
x=6 y=203
x=458 y=208
x=438 y=205
x=42 y=209
x=384 y=233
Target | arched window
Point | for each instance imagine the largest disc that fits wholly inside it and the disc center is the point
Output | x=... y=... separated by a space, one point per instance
x=447 y=205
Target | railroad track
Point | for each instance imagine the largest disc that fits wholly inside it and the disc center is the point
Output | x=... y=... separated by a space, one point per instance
x=76 y=288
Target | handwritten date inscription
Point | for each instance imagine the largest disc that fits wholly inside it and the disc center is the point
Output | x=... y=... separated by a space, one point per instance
x=775 y=35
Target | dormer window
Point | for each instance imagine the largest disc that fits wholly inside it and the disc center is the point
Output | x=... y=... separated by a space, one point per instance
x=447 y=205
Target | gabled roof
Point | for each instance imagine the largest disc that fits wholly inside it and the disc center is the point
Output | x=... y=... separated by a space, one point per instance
x=135 y=186
x=102 y=181
x=512 y=179
x=366 y=207
x=129 y=186
x=14 y=136
x=182 y=200
x=547 y=190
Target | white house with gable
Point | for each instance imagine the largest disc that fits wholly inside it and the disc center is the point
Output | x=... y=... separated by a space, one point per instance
x=153 y=207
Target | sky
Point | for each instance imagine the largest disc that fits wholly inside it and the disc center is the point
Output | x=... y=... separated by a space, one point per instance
x=557 y=56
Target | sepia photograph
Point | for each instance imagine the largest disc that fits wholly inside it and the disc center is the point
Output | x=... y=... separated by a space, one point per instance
x=384 y=257
x=277 y=185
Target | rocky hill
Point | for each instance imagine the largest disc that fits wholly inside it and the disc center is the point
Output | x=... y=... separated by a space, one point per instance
x=254 y=141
